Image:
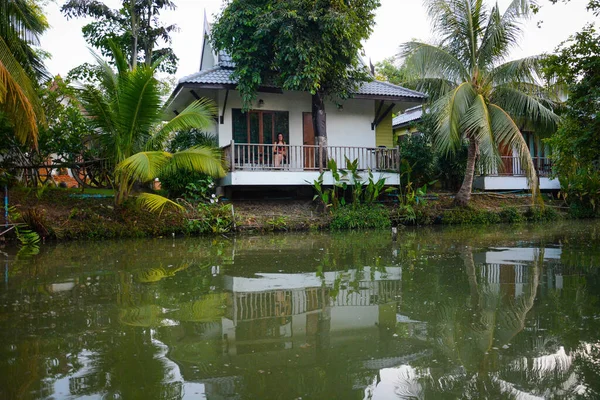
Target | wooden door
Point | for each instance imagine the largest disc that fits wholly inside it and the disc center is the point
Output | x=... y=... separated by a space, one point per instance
x=506 y=152
x=309 y=140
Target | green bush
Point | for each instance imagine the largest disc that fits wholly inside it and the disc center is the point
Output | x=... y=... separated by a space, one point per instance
x=539 y=214
x=467 y=216
x=360 y=217
x=191 y=186
x=511 y=215
x=210 y=218
x=417 y=151
x=578 y=210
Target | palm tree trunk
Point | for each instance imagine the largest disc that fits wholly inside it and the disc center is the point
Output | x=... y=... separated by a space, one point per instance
x=464 y=194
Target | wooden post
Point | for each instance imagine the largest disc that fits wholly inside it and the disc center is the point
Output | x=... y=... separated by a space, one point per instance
x=6 y=206
x=320 y=156
x=232 y=156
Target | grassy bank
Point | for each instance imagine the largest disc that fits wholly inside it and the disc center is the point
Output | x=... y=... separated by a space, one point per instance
x=68 y=215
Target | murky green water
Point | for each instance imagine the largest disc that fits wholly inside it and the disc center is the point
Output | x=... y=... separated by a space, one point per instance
x=497 y=312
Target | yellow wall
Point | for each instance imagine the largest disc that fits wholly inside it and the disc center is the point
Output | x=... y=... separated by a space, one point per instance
x=383 y=134
x=404 y=131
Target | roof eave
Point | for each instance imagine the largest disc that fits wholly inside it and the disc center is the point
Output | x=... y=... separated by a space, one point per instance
x=407 y=99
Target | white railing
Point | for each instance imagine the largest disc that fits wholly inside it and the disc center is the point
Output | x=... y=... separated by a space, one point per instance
x=512 y=166
x=265 y=157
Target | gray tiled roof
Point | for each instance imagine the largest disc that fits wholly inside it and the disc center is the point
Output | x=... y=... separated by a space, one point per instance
x=387 y=89
x=409 y=116
x=216 y=75
x=222 y=75
x=225 y=60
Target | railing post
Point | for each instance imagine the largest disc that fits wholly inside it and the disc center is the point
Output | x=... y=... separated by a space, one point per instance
x=398 y=158
x=232 y=156
x=320 y=156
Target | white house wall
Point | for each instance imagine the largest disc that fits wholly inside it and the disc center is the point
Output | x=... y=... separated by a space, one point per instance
x=350 y=126
x=512 y=183
x=292 y=178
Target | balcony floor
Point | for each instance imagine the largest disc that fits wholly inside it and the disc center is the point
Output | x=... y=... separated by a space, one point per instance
x=492 y=183
x=294 y=178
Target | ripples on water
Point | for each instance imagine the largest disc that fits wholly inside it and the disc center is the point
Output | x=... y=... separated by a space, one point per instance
x=494 y=312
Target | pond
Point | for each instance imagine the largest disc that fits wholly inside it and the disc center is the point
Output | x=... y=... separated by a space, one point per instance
x=509 y=311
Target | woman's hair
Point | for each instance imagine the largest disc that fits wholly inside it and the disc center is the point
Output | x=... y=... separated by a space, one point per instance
x=282 y=138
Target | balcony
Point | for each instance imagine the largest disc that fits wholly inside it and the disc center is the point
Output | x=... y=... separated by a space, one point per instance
x=510 y=175
x=511 y=166
x=268 y=164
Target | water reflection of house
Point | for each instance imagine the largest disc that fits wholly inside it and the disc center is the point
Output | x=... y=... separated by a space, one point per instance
x=505 y=270
x=281 y=309
x=290 y=320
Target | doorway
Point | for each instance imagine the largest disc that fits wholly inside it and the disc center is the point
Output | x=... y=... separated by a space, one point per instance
x=309 y=140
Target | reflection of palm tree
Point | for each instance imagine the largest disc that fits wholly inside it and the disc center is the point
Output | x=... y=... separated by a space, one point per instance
x=471 y=336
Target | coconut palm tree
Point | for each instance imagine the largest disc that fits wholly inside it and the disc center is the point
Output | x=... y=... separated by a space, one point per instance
x=21 y=24
x=476 y=94
x=127 y=113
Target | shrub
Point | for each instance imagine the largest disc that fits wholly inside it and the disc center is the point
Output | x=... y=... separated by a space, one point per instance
x=417 y=151
x=360 y=217
x=192 y=186
x=210 y=218
x=578 y=210
x=511 y=215
x=466 y=216
x=538 y=214
x=277 y=224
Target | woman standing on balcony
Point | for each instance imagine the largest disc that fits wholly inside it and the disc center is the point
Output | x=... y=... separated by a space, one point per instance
x=279 y=151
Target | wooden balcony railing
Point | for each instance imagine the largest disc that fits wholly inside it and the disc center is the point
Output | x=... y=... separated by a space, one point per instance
x=512 y=166
x=263 y=157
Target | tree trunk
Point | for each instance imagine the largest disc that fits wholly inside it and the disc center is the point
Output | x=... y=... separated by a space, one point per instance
x=464 y=194
x=320 y=127
x=134 y=35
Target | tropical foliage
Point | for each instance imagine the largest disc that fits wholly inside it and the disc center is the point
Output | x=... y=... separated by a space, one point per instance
x=21 y=24
x=476 y=95
x=388 y=71
x=303 y=45
x=135 y=28
x=576 y=144
x=64 y=137
x=127 y=114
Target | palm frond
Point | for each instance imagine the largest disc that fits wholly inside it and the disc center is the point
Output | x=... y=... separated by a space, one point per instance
x=143 y=166
x=448 y=19
x=201 y=159
x=198 y=115
x=22 y=23
x=139 y=108
x=119 y=57
x=527 y=70
x=530 y=109
x=435 y=88
x=507 y=133
x=156 y=203
x=18 y=98
x=107 y=76
x=449 y=111
x=478 y=125
x=503 y=32
x=424 y=61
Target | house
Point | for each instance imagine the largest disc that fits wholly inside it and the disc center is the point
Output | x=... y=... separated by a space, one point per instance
x=510 y=175
x=404 y=124
x=359 y=128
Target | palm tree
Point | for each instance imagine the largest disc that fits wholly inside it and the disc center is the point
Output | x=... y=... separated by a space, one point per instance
x=476 y=95
x=21 y=24
x=127 y=112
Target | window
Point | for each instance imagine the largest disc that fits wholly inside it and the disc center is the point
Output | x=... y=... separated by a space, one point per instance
x=260 y=126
